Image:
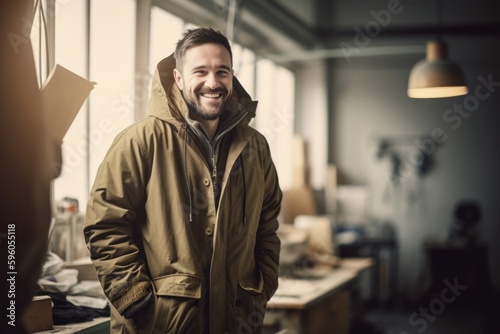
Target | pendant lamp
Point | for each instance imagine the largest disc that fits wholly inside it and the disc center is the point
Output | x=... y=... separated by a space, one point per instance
x=436 y=76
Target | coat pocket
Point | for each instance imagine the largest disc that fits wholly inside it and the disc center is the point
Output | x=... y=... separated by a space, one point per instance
x=250 y=305
x=176 y=305
x=253 y=285
x=178 y=285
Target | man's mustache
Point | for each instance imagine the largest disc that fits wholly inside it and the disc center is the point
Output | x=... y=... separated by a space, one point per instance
x=212 y=91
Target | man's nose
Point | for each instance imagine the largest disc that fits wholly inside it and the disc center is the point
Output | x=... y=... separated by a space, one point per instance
x=212 y=81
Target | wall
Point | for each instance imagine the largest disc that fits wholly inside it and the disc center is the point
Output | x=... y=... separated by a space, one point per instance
x=369 y=101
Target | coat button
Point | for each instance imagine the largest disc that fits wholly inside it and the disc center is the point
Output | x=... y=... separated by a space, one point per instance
x=209 y=231
x=206 y=182
x=238 y=303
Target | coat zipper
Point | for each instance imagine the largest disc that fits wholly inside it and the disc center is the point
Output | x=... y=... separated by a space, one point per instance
x=214 y=170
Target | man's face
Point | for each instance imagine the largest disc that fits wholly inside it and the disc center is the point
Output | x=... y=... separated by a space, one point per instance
x=206 y=79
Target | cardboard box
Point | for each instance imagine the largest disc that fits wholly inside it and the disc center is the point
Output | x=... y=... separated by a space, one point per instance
x=38 y=315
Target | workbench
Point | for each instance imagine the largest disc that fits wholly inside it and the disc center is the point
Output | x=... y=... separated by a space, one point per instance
x=317 y=302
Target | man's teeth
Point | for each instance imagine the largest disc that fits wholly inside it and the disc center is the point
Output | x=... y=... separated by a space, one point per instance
x=211 y=96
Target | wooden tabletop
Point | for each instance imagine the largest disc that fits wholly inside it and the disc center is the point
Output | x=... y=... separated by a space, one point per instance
x=317 y=284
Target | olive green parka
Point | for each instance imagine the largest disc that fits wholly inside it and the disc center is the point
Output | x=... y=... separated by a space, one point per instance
x=152 y=224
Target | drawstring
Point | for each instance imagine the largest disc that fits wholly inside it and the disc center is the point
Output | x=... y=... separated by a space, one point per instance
x=186 y=173
x=244 y=191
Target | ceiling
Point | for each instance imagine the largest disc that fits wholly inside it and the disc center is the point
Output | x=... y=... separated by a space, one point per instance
x=287 y=27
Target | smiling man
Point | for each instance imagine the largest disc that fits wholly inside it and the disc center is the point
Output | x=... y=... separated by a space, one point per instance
x=205 y=78
x=182 y=218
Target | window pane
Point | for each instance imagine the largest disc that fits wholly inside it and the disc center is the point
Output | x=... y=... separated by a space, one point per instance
x=112 y=54
x=275 y=115
x=38 y=45
x=283 y=113
x=166 y=30
x=70 y=51
x=189 y=25
x=244 y=67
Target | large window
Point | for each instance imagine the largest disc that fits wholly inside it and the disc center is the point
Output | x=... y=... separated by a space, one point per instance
x=112 y=56
x=275 y=114
x=71 y=52
x=244 y=67
x=111 y=102
x=166 y=30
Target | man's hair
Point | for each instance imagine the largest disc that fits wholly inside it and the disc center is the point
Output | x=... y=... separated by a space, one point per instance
x=197 y=37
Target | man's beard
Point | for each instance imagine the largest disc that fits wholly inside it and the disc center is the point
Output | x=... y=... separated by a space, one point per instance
x=197 y=109
x=193 y=108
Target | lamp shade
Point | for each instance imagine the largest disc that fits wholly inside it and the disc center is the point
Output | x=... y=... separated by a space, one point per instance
x=436 y=76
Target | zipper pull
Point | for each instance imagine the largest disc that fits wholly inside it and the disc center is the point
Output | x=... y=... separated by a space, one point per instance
x=214 y=168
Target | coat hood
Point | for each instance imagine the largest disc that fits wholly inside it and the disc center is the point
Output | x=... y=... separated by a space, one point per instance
x=167 y=103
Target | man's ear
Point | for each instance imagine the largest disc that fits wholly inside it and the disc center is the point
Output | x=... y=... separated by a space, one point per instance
x=178 y=79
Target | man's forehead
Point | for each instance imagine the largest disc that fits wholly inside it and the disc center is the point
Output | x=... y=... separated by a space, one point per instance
x=207 y=53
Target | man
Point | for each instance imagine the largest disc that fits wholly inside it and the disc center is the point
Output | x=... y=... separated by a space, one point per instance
x=182 y=219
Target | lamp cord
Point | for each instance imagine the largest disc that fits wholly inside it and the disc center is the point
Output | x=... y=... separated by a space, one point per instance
x=440 y=10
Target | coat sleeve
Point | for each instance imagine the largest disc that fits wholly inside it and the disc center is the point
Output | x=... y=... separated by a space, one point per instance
x=267 y=246
x=112 y=218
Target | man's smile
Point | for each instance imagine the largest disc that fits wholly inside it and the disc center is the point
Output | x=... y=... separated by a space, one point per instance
x=211 y=95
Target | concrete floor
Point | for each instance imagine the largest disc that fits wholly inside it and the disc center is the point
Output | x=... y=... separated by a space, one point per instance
x=451 y=322
x=476 y=317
